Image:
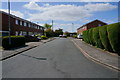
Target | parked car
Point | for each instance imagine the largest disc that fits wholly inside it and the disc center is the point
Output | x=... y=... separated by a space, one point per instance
x=60 y=35
x=64 y=36
x=79 y=36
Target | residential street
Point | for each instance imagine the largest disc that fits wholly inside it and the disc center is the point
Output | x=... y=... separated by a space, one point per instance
x=59 y=58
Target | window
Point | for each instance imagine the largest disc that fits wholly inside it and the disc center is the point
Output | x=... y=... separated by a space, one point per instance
x=21 y=23
x=99 y=25
x=21 y=33
x=29 y=25
x=41 y=28
x=16 y=33
x=16 y=21
x=24 y=33
x=25 y=24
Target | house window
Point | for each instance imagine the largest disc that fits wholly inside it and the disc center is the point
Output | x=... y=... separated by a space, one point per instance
x=21 y=33
x=21 y=23
x=16 y=33
x=99 y=25
x=24 y=33
x=29 y=25
x=16 y=21
x=25 y=24
x=41 y=28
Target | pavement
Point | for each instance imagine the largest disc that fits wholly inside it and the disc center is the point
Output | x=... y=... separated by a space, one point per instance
x=10 y=53
x=106 y=58
x=59 y=58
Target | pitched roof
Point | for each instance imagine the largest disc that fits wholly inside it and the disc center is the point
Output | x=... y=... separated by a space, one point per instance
x=92 y=22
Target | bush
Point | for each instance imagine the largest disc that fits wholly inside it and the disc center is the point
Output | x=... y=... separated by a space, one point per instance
x=74 y=36
x=31 y=38
x=96 y=38
x=91 y=37
x=16 y=41
x=114 y=36
x=85 y=38
x=104 y=38
x=44 y=37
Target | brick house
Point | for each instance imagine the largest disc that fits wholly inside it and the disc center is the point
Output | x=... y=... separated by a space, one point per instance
x=89 y=25
x=19 y=26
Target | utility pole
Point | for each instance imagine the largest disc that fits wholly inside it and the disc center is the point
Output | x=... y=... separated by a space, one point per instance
x=52 y=24
x=9 y=22
x=72 y=26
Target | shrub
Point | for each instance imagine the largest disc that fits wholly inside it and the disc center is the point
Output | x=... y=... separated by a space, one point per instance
x=114 y=36
x=91 y=37
x=85 y=36
x=44 y=37
x=104 y=37
x=16 y=41
x=31 y=38
x=74 y=36
x=96 y=38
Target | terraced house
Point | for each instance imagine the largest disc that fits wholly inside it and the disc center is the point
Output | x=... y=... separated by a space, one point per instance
x=19 y=26
x=89 y=25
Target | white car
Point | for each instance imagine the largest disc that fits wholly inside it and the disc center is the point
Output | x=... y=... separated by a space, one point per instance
x=79 y=36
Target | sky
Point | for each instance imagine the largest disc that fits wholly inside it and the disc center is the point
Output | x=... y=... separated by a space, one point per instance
x=66 y=15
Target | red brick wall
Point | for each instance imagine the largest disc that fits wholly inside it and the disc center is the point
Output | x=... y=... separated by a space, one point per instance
x=15 y=27
x=90 y=25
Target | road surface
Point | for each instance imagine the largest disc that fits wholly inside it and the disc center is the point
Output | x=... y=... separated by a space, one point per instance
x=59 y=58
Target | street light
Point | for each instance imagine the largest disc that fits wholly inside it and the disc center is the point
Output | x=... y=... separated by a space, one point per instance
x=9 y=22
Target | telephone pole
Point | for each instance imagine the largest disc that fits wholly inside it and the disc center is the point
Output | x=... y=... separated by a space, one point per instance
x=9 y=22
x=52 y=24
x=72 y=27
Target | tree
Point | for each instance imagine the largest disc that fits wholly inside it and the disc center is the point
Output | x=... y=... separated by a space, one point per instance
x=47 y=26
x=67 y=33
x=58 y=32
x=49 y=33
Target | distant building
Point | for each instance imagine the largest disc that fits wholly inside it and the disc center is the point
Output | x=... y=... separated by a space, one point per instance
x=89 y=25
x=19 y=26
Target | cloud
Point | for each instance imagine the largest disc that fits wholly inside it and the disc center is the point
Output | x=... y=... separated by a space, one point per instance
x=65 y=12
x=66 y=26
x=63 y=0
x=16 y=13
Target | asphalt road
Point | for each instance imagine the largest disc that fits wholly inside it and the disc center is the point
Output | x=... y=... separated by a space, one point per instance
x=59 y=58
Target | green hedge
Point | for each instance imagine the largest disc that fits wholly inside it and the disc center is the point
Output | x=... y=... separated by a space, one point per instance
x=92 y=42
x=16 y=41
x=114 y=36
x=104 y=37
x=96 y=38
x=85 y=36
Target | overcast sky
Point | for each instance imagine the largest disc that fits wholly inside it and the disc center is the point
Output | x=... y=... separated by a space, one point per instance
x=65 y=13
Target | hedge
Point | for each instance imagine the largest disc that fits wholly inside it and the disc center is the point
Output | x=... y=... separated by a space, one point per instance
x=104 y=38
x=29 y=38
x=96 y=38
x=92 y=42
x=16 y=41
x=85 y=36
x=114 y=36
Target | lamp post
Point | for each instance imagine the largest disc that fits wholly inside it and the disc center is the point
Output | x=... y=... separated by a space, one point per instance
x=9 y=22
